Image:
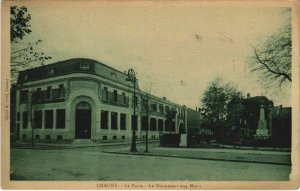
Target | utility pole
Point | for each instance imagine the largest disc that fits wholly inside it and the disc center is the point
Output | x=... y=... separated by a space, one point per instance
x=147 y=99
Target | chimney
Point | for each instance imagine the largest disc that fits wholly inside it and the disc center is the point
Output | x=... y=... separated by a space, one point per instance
x=164 y=98
x=248 y=95
x=196 y=108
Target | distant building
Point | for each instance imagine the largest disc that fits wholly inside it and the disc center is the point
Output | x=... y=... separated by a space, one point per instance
x=281 y=119
x=85 y=99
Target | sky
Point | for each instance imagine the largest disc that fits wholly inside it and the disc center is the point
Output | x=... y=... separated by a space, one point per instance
x=175 y=50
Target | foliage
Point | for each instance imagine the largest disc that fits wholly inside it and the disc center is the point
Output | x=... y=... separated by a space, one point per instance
x=221 y=106
x=170 y=116
x=272 y=60
x=23 y=54
x=19 y=23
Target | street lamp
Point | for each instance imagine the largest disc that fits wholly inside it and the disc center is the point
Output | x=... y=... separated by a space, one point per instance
x=132 y=77
x=146 y=99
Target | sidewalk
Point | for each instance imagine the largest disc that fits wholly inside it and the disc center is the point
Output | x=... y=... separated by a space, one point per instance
x=252 y=148
x=252 y=156
x=54 y=146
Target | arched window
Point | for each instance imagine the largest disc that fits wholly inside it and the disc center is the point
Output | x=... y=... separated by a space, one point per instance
x=83 y=105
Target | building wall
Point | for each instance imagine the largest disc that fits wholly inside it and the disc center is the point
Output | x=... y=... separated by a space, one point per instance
x=89 y=88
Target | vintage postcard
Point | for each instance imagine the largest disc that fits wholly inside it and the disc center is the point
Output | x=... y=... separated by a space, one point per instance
x=176 y=95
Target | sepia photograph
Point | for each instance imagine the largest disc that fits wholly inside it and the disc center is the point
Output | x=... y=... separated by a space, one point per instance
x=169 y=92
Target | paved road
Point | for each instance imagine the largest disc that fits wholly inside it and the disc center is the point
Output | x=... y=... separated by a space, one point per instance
x=93 y=164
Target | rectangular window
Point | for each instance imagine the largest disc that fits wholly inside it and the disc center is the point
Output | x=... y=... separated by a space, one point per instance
x=134 y=101
x=61 y=91
x=115 y=96
x=38 y=115
x=167 y=109
x=25 y=120
x=38 y=95
x=124 y=98
x=104 y=119
x=153 y=107
x=153 y=124
x=18 y=116
x=49 y=91
x=123 y=121
x=113 y=75
x=134 y=122
x=144 y=123
x=160 y=125
x=18 y=126
x=24 y=96
x=51 y=71
x=161 y=108
x=84 y=66
x=144 y=104
x=114 y=120
x=60 y=119
x=49 y=119
x=105 y=93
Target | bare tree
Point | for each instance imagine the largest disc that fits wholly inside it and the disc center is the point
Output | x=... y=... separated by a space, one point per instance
x=30 y=111
x=272 y=59
x=146 y=100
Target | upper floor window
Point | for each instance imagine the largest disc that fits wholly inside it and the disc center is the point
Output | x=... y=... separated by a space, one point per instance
x=161 y=108
x=124 y=98
x=38 y=94
x=51 y=71
x=144 y=104
x=153 y=106
x=115 y=95
x=26 y=77
x=61 y=91
x=105 y=93
x=135 y=100
x=167 y=109
x=49 y=91
x=24 y=96
x=113 y=75
x=84 y=66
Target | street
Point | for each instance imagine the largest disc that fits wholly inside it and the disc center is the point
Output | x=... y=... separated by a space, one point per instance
x=93 y=164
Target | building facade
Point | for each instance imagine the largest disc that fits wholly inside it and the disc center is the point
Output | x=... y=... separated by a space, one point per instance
x=85 y=99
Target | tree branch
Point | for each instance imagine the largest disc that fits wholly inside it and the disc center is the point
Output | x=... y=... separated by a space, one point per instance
x=268 y=68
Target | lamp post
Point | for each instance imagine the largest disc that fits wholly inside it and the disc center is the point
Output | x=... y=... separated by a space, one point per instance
x=132 y=77
x=146 y=98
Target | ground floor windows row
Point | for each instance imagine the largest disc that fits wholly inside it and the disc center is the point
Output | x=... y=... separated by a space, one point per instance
x=49 y=119
x=111 y=120
x=157 y=124
x=47 y=116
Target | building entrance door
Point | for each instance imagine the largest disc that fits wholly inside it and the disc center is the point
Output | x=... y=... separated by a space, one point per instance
x=83 y=121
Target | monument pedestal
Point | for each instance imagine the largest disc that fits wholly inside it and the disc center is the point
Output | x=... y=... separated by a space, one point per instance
x=262 y=132
x=183 y=140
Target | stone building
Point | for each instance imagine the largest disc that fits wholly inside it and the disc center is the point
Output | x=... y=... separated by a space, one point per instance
x=85 y=99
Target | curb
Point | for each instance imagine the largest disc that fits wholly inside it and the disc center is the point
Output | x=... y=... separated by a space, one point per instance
x=198 y=158
x=62 y=147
